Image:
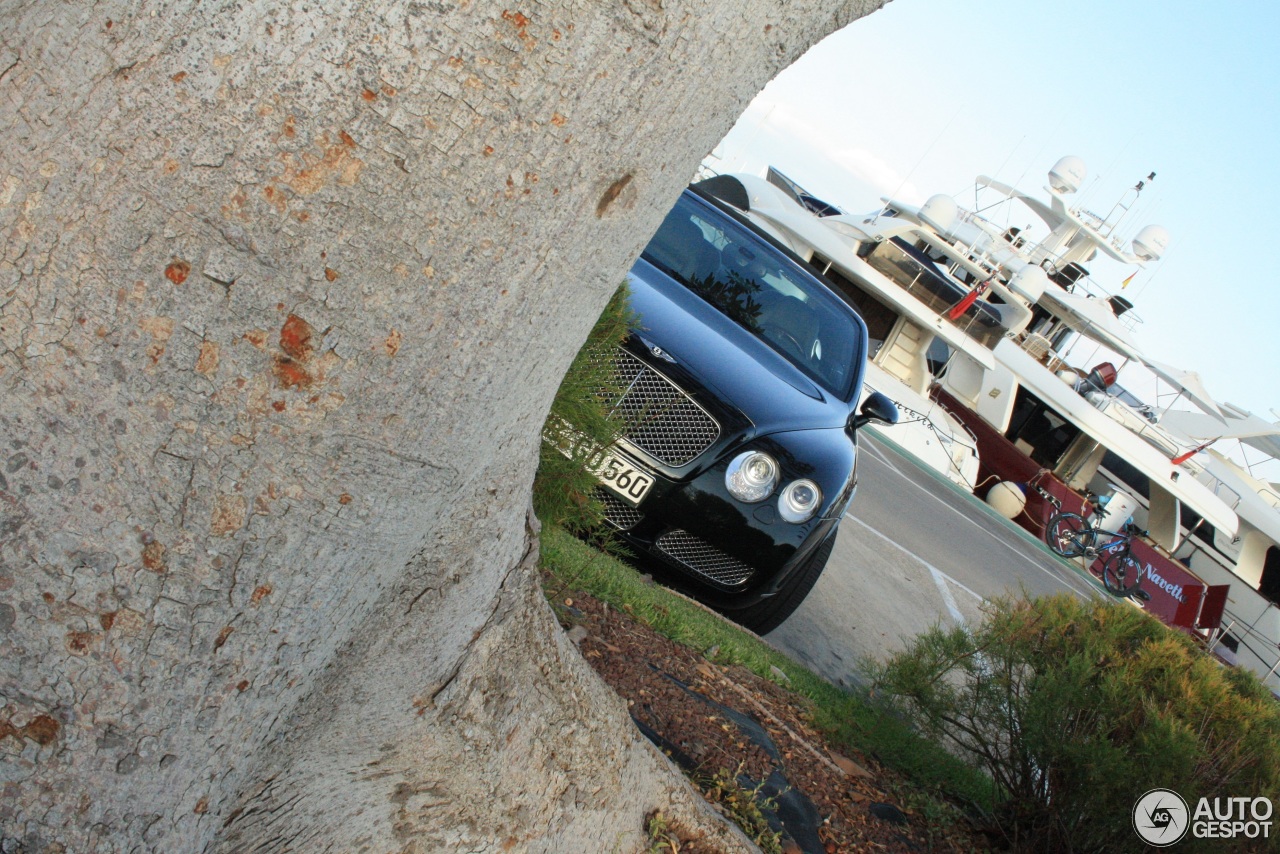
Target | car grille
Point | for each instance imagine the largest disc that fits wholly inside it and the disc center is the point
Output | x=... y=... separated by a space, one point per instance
x=664 y=422
x=703 y=558
x=617 y=512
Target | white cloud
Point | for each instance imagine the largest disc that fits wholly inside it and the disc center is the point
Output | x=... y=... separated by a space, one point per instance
x=822 y=146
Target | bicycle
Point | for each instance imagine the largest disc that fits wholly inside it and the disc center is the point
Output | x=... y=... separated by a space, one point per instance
x=1071 y=535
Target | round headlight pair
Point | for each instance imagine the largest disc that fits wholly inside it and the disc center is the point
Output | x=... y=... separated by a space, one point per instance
x=752 y=476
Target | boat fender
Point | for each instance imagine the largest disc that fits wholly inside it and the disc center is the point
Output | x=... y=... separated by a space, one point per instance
x=1007 y=498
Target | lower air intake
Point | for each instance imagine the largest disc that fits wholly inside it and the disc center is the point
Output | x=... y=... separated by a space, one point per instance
x=617 y=512
x=703 y=558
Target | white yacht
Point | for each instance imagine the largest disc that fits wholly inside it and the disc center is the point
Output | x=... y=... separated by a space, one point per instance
x=1057 y=431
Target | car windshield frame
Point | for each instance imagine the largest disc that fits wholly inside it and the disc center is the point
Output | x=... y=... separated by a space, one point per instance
x=764 y=290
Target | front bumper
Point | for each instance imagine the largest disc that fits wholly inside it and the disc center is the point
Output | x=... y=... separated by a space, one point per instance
x=732 y=555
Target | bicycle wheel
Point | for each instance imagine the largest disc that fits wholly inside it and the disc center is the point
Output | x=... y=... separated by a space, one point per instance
x=1121 y=574
x=1065 y=534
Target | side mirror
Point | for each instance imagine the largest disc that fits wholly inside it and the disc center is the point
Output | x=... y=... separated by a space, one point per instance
x=877 y=407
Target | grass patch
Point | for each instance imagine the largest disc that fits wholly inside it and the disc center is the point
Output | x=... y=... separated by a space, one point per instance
x=845 y=719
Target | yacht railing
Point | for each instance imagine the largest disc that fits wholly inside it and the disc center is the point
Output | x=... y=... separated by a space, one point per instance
x=1036 y=253
x=912 y=276
x=1259 y=637
x=1041 y=349
x=1262 y=646
x=1219 y=487
x=1135 y=422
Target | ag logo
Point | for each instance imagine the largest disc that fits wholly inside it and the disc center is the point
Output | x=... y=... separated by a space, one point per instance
x=1161 y=818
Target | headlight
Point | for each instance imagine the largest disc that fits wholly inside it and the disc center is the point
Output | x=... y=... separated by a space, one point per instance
x=799 y=501
x=751 y=476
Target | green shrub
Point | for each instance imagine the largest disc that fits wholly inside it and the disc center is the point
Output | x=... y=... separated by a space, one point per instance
x=563 y=491
x=1077 y=708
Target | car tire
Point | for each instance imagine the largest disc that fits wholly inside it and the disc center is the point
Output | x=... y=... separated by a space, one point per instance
x=766 y=615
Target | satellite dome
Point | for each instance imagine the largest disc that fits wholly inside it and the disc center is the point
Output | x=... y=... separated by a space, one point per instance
x=1151 y=242
x=1067 y=174
x=939 y=213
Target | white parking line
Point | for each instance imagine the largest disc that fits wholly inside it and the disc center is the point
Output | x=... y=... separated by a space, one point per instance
x=880 y=454
x=937 y=573
x=1069 y=583
x=941 y=579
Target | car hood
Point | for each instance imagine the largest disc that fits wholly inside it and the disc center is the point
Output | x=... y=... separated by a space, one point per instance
x=740 y=379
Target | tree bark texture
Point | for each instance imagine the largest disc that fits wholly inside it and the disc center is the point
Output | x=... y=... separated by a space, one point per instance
x=285 y=292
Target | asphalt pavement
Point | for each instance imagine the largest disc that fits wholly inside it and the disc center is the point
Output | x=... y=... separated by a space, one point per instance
x=913 y=551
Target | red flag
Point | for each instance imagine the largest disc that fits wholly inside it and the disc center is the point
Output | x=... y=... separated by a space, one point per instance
x=1183 y=457
x=968 y=300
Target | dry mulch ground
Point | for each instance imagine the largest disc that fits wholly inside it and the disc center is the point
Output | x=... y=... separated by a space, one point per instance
x=711 y=717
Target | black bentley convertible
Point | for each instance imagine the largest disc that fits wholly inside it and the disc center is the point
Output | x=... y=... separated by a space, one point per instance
x=741 y=384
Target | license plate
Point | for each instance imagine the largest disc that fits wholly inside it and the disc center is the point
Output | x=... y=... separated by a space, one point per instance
x=628 y=482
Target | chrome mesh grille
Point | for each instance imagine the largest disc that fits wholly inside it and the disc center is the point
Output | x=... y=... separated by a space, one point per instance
x=703 y=558
x=665 y=422
x=617 y=512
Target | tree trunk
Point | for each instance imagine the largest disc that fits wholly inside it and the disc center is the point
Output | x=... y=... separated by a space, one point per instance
x=284 y=297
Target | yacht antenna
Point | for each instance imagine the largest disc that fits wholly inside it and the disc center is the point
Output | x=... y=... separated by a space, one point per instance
x=907 y=178
x=1149 y=279
x=746 y=146
x=1007 y=158
x=1126 y=202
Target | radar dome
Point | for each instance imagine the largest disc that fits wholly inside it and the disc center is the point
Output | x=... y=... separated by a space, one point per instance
x=939 y=213
x=1151 y=242
x=1067 y=174
x=1029 y=282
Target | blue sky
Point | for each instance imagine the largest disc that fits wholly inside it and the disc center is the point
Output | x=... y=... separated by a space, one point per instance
x=924 y=95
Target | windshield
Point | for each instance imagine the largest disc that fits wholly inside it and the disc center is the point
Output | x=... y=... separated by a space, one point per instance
x=762 y=290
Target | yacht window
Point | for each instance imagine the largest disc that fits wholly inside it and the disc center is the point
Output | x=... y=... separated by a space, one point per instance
x=1270 y=584
x=1195 y=525
x=938 y=355
x=1229 y=641
x=1119 y=469
x=1042 y=433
